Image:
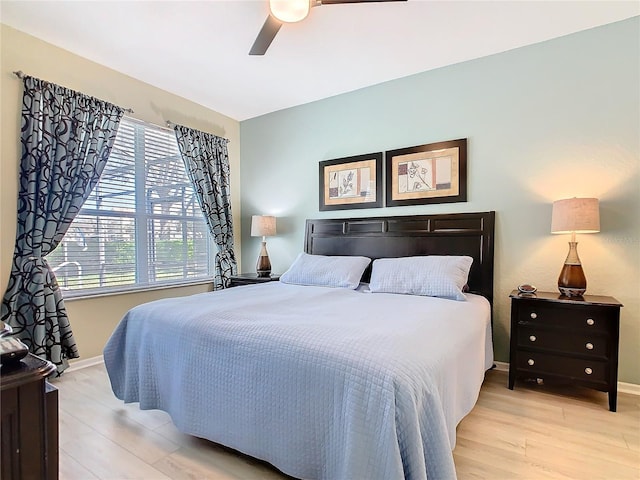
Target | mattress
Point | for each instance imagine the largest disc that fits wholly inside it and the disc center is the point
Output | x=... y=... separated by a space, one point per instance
x=323 y=383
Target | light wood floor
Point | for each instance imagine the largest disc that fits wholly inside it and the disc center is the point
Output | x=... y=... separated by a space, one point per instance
x=533 y=432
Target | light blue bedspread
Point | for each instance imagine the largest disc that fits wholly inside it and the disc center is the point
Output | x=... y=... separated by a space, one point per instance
x=322 y=383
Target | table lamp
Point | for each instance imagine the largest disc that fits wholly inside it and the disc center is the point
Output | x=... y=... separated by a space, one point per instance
x=574 y=215
x=263 y=226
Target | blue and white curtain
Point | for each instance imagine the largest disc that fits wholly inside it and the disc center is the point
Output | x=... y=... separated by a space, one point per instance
x=66 y=140
x=207 y=162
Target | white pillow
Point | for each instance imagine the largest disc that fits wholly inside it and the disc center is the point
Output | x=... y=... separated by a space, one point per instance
x=433 y=276
x=326 y=271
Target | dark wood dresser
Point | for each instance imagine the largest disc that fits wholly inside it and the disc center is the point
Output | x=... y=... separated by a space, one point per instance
x=559 y=338
x=29 y=421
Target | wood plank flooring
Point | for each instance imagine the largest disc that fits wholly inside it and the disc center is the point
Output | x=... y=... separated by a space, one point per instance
x=534 y=432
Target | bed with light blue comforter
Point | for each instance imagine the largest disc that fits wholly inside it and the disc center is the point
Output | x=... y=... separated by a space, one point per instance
x=323 y=383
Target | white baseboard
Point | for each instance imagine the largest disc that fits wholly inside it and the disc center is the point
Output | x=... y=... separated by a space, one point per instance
x=623 y=387
x=87 y=362
x=501 y=366
x=630 y=388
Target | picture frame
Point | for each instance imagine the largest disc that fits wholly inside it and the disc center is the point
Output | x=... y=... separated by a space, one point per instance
x=426 y=174
x=351 y=182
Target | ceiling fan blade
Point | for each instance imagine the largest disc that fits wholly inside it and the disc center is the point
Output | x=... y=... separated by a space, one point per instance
x=335 y=2
x=266 y=36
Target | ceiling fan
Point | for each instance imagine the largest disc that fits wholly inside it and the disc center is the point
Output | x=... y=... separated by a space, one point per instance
x=290 y=11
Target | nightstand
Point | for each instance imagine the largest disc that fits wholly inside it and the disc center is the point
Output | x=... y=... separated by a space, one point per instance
x=250 y=279
x=566 y=339
x=29 y=420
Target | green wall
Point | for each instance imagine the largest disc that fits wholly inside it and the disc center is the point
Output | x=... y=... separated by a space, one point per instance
x=544 y=122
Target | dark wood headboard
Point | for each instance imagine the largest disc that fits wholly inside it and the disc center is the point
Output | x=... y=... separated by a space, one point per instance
x=469 y=234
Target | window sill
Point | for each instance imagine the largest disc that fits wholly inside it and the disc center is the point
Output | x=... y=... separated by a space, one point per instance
x=70 y=296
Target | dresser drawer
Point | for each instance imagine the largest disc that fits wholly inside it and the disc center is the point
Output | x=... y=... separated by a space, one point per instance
x=587 y=318
x=586 y=344
x=574 y=368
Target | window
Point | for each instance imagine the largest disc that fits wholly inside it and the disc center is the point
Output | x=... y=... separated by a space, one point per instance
x=141 y=226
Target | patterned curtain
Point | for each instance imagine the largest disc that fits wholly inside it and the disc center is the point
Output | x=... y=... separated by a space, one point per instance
x=66 y=140
x=207 y=163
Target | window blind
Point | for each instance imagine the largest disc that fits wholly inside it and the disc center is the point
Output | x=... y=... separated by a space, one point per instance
x=142 y=224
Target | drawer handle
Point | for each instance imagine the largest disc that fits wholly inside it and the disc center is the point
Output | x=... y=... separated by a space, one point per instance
x=590 y=321
x=530 y=361
x=533 y=338
x=534 y=315
x=589 y=346
x=588 y=371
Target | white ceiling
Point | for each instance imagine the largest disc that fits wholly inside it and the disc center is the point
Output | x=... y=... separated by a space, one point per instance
x=199 y=49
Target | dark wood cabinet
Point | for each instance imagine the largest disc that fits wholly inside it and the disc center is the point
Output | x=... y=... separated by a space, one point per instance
x=566 y=339
x=250 y=279
x=29 y=421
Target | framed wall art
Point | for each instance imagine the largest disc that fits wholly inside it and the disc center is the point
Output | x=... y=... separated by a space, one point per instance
x=351 y=182
x=432 y=173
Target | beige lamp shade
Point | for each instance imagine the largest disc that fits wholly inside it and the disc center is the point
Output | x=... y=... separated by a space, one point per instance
x=263 y=226
x=579 y=215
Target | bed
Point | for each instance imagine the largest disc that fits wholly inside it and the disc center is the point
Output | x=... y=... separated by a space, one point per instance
x=324 y=383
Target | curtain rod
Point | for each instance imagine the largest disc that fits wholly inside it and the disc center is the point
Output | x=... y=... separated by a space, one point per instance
x=20 y=74
x=172 y=125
